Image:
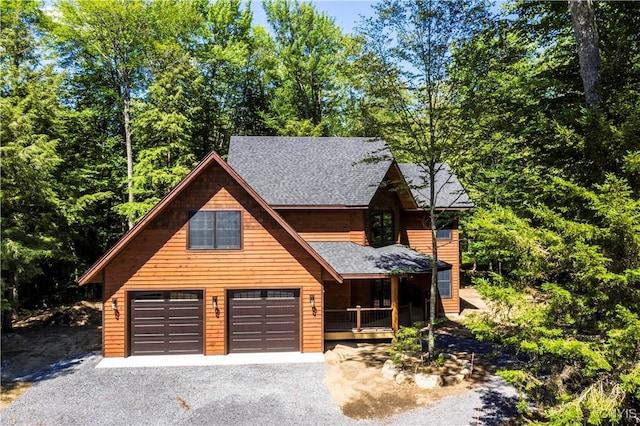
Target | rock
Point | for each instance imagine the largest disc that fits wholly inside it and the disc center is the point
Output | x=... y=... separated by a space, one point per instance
x=447 y=355
x=452 y=380
x=465 y=372
x=389 y=370
x=402 y=378
x=427 y=381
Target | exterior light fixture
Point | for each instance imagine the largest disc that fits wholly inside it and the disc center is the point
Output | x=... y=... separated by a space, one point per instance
x=114 y=304
x=214 y=302
x=312 y=300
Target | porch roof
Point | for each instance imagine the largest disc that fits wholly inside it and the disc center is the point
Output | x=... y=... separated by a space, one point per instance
x=349 y=259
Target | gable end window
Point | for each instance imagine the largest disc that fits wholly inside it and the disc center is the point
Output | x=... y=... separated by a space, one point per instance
x=444 y=284
x=382 y=227
x=214 y=230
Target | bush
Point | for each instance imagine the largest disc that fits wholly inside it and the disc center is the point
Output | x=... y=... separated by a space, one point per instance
x=407 y=341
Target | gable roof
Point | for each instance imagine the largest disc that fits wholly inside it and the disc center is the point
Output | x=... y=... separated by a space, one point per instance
x=349 y=259
x=449 y=191
x=213 y=158
x=311 y=171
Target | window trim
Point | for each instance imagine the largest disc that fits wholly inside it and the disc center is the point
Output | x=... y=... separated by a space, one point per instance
x=192 y=212
x=449 y=280
x=382 y=229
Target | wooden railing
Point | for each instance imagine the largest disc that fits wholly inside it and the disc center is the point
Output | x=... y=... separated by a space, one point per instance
x=357 y=318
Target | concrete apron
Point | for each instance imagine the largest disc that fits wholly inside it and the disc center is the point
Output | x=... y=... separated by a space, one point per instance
x=204 y=360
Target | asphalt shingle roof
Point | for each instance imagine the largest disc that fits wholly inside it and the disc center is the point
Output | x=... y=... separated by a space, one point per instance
x=311 y=171
x=449 y=191
x=350 y=258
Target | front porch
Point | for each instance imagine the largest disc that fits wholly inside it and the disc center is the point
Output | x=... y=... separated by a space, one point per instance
x=383 y=288
x=365 y=323
x=383 y=312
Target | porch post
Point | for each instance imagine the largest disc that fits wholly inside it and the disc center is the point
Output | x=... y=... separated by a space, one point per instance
x=394 y=302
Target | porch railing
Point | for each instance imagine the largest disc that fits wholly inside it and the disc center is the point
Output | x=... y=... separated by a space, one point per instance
x=357 y=318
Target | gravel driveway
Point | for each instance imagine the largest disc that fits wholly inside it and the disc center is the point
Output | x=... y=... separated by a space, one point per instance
x=282 y=394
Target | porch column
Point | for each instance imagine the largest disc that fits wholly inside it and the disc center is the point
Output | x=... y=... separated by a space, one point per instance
x=395 y=281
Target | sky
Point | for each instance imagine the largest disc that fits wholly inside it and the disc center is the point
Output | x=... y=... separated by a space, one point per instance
x=346 y=13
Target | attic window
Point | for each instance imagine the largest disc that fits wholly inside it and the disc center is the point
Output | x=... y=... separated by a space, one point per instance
x=214 y=230
x=382 y=227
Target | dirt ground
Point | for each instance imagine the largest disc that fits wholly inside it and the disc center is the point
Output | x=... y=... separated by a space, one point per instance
x=44 y=338
x=354 y=375
x=358 y=387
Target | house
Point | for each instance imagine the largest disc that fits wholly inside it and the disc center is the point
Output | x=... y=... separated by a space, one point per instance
x=293 y=241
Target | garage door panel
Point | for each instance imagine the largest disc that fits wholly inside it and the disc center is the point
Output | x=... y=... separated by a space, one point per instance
x=269 y=323
x=160 y=324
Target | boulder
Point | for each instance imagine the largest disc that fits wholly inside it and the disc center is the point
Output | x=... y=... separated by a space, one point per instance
x=389 y=370
x=427 y=381
x=403 y=377
x=466 y=369
x=452 y=357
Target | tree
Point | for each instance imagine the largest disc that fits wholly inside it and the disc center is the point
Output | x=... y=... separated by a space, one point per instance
x=117 y=39
x=29 y=130
x=563 y=220
x=586 y=34
x=407 y=58
x=231 y=95
x=165 y=124
x=310 y=49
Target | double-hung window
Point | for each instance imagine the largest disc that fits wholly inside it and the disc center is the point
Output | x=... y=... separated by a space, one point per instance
x=214 y=230
x=444 y=284
x=382 y=227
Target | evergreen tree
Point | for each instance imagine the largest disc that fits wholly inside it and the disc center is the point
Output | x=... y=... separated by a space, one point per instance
x=29 y=130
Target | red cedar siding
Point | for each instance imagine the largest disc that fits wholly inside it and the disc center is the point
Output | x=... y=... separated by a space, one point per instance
x=327 y=225
x=415 y=236
x=158 y=259
x=338 y=295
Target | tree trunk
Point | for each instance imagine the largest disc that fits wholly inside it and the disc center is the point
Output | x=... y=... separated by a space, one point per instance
x=126 y=112
x=433 y=293
x=586 y=33
x=11 y=293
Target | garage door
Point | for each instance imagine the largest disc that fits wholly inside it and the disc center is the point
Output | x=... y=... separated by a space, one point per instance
x=264 y=320
x=166 y=322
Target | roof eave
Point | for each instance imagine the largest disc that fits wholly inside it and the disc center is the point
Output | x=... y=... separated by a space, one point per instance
x=316 y=207
x=440 y=208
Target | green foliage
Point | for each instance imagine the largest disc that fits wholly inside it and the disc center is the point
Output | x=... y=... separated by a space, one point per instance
x=595 y=406
x=555 y=237
x=406 y=341
x=523 y=381
x=30 y=130
x=309 y=81
x=631 y=382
